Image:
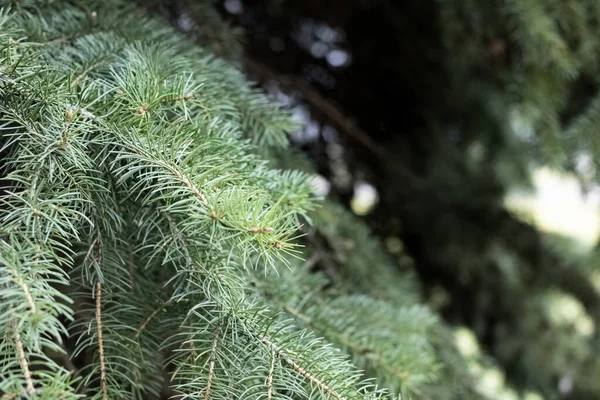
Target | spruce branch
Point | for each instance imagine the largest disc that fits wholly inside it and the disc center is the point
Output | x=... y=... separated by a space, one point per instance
x=296 y=367
x=133 y=138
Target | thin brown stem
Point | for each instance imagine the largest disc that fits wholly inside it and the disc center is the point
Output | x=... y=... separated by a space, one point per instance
x=85 y=72
x=333 y=112
x=100 y=343
x=89 y=252
x=184 y=98
x=147 y=320
x=190 y=185
x=211 y=367
x=59 y=40
x=183 y=178
x=23 y=360
x=270 y=377
x=26 y=291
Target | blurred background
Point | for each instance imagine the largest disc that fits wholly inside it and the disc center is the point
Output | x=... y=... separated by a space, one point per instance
x=465 y=133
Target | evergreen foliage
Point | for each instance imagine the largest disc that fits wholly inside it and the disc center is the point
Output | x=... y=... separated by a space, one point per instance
x=147 y=248
x=531 y=67
x=538 y=62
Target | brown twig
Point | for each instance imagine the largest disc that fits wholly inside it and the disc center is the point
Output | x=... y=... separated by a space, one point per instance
x=23 y=360
x=344 y=123
x=100 y=343
x=183 y=98
x=26 y=291
x=211 y=368
x=59 y=40
x=85 y=72
x=270 y=377
x=190 y=185
x=183 y=178
x=89 y=252
x=333 y=112
x=147 y=320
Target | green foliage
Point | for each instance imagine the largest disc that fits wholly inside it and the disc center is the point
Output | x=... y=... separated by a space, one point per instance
x=146 y=248
x=531 y=67
x=541 y=58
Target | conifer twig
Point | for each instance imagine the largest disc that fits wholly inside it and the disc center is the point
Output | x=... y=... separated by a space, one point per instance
x=23 y=360
x=25 y=289
x=89 y=252
x=152 y=315
x=190 y=185
x=270 y=378
x=100 y=343
x=187 y=181
x=301 y=371
x=59 y=40
x=211 y=367
x=85 y=72
x=183 y=98
x=143 y=325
